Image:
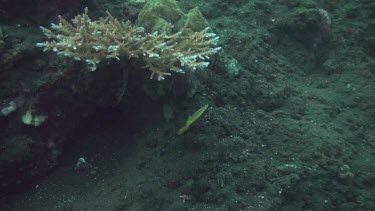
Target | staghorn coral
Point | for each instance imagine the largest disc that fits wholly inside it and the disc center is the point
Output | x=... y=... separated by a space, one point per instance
x=108 y=38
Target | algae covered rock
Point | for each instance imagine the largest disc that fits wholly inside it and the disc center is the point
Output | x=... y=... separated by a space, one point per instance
x=157 y=15
x=195 y=20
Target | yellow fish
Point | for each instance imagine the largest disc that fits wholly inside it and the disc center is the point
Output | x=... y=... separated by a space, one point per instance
x=192 y=119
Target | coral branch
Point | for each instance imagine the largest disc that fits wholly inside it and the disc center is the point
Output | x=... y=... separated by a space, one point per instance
x=107 y=38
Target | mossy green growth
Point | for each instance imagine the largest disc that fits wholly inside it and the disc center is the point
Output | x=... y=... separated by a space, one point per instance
x=158 y=15
x=190 y=121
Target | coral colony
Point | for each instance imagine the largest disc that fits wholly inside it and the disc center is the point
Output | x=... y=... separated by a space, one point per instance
x=108 y=38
